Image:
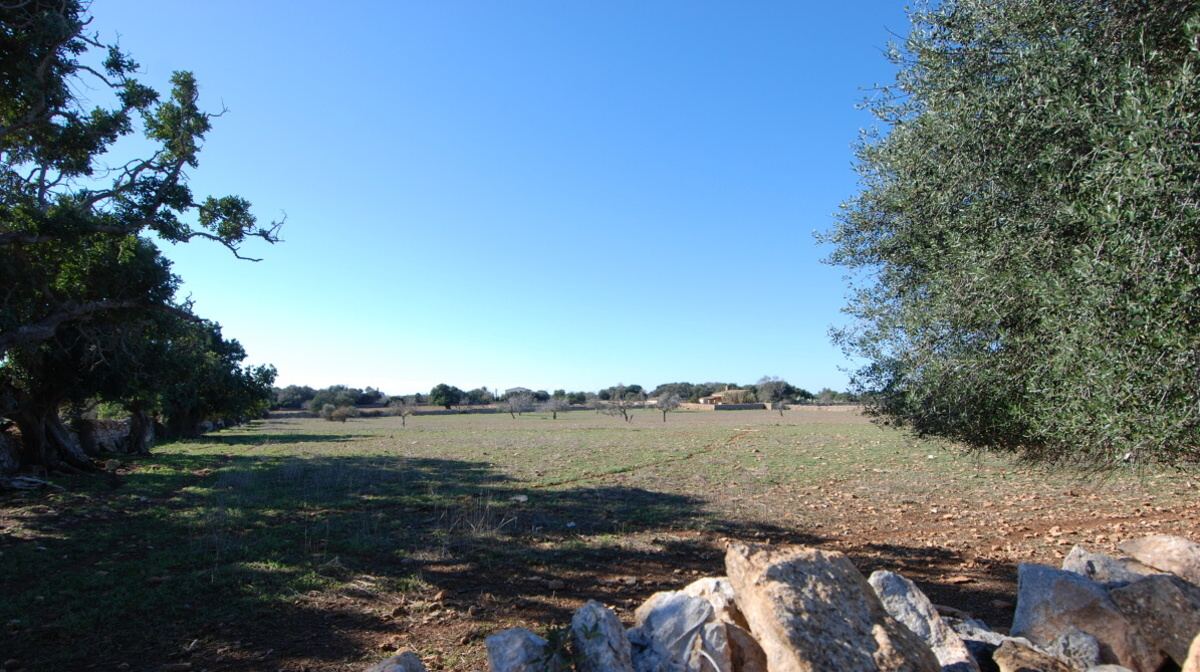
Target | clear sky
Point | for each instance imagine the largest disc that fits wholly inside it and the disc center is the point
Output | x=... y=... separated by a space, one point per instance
x=544 y=194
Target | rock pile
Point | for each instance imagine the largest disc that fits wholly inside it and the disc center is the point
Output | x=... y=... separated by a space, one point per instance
x=798 y=609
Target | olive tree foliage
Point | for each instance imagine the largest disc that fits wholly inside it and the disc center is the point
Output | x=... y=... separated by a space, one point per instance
x=446 y=396
x=78 y=270
x=1025 y=248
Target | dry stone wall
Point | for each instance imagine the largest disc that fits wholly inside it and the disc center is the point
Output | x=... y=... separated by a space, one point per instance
x=802 y=609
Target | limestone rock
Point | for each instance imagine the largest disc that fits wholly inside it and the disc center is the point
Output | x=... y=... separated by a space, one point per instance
x=1108 y=668
x=1013 y=656
x=718 y=592
x=1170 y=554
x=1192 y=664
x=1110 y=571
x=1076 y=647
x=1166 y=610
x=746 y=654
x=519 y=650
x=1051 y=601
x=404 y=662
x=678 y=633
x=811 y=610
x=600 y=641
x=907 y=604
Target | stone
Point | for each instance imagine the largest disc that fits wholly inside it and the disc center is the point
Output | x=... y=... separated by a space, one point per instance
x=1013 y=656
x=744 y=650
x=979 y=640
x=1165 y=609
x=519 y=650
x=1108 y=668
x=1192 y=664
x=1170 y=554
x=907 y=604
x=1076 y=647
x=1110 y=571
x=403 y=662
x=1052 y=601
x=718 y=592
x=600 y=641
x=676 y=632
x=811 y=610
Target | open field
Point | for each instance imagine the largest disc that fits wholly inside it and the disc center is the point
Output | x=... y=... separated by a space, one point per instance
x=300 y=544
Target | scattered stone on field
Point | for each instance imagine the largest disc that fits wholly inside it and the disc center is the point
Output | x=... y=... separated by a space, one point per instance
x=1078 y=648
x=1108 y=668
x=1110 y=571
x=907 y=604
x=1176 y=555
x=519 y=650
x=1051 y=601
x=1013 y=656
x=403 y=662
x=811 y=610
x=1165 y=609
x=678 y=632
x=600 y=641
x=1192 y=664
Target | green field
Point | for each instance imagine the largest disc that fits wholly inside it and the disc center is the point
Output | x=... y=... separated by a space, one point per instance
x=303 y=544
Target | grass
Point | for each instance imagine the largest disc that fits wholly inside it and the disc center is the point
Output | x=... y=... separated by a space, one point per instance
x=303 y=544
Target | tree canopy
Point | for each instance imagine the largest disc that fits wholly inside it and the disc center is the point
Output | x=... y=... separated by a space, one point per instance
x=446 y=396
x=85 y=289
x=1026 y=244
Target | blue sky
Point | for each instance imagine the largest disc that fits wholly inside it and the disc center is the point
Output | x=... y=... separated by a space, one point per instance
x=545 y=194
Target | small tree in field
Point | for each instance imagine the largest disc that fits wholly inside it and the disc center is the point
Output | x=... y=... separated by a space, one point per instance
x=618 y=401
x=517 y=404
x=401 y=409
x=667 y=403
x=555 y=404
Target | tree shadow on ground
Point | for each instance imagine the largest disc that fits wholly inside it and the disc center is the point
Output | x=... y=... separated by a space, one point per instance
x=230 y=439
x=287 y=562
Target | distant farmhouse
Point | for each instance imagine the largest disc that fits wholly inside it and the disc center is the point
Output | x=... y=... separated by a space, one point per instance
x=728 y=397
x=517 y=390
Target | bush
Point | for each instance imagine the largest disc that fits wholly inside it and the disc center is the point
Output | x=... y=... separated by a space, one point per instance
x=338 y=413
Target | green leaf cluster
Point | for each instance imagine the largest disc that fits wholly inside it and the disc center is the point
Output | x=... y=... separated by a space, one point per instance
x=1025 y=248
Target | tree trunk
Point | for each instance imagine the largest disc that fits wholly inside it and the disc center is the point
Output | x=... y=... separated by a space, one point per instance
x=141 y=432
x=664 y=416
x=86 y=432
x=46 y=443
x=10 y=453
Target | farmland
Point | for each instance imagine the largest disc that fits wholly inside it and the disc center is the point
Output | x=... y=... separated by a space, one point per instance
x=296 y=543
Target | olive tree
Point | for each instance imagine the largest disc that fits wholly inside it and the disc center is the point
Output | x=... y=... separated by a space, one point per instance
x=1024 y=247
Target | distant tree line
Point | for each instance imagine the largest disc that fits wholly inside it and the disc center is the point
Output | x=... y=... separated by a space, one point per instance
x=338 y=401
